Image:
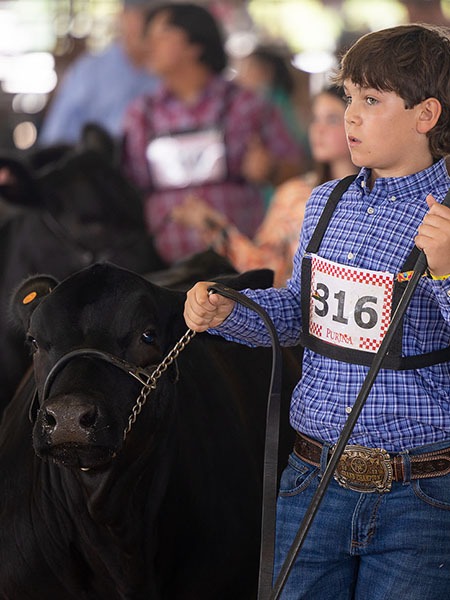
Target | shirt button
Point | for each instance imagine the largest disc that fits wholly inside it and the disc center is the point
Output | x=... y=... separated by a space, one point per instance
x=348 y=409
x=448 y=293
x=393 y=198
x=370 y=210
x=350 y=255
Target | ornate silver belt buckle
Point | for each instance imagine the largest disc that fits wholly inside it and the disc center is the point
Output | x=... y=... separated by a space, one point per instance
x=364 y=470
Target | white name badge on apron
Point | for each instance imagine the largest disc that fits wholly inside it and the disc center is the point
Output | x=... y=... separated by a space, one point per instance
x=349 y=307
x=187 y=158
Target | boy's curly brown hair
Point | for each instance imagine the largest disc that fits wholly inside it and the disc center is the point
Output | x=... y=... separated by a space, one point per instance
x=411 y=60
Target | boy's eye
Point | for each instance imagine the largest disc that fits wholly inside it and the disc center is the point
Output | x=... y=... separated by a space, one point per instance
x=370 y=100
x=347 y=99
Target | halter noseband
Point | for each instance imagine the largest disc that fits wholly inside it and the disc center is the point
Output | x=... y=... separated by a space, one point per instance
x=147 y=377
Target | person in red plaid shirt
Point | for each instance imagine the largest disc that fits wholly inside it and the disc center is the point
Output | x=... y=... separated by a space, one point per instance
x=200 y=133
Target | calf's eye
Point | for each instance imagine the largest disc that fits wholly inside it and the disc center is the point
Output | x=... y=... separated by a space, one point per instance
x=148 y=337
x=32 y=343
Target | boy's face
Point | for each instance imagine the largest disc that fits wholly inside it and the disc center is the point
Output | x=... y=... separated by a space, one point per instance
x=382 y=134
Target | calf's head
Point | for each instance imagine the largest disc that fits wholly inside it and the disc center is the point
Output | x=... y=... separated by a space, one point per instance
x=87 y=334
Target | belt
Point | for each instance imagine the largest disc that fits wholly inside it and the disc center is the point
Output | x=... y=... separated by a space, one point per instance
x=373 y=469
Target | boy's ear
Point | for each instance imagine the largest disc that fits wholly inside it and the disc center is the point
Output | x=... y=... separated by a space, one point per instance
x=430 y=110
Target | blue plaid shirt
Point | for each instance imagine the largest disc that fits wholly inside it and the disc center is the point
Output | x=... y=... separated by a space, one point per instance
x=370 y=229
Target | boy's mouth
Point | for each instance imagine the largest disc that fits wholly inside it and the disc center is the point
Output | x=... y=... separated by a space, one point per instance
x=353 y=140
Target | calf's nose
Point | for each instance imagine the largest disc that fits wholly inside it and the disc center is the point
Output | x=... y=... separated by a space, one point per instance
x=69 y=421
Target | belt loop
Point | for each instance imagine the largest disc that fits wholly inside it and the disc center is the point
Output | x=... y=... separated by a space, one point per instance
x=406 y=460
x=324 y=456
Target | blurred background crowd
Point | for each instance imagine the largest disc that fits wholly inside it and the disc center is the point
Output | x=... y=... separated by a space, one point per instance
x=41 y=39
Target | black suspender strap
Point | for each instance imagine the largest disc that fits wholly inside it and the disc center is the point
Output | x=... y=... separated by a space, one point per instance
x=393 y=358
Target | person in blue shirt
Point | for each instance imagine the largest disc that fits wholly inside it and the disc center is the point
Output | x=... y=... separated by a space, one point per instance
x=99 y=87
x=383 y=528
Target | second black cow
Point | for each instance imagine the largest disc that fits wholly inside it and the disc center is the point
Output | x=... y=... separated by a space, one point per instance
x=118 y=497
x=68 y=207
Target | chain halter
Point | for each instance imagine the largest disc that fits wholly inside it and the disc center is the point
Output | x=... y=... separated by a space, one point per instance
x=149 y=381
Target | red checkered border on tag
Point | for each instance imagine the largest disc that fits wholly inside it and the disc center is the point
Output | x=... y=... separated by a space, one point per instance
x=351 y=274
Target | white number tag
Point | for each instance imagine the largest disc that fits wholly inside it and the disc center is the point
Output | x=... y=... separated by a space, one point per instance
x=349 y=307
x=187 y=158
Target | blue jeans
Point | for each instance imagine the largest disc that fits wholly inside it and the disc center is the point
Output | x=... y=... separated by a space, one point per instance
x=365 y=546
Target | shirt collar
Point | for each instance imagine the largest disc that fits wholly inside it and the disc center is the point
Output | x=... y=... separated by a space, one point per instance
x=421 y=182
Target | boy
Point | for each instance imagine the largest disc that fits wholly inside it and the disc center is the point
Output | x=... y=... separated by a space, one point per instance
x=383 y=528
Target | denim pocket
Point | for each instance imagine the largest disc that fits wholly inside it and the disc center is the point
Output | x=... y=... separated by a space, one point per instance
x=297 y=476
x=434 y=491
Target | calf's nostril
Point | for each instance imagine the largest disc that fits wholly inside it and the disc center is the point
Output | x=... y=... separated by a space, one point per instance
x=88 y=418
x=49 y=419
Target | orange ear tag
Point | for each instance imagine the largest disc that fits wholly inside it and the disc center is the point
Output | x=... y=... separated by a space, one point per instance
x=29 y=298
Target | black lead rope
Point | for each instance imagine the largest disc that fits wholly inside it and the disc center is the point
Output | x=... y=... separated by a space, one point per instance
x=270 y=485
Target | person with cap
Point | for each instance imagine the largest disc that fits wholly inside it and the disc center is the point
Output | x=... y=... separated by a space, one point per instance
x=200 y=133
x=98 y=87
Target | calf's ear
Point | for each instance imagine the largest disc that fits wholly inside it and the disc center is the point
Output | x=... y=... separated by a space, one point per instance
x=28 y=296
x=96 y=138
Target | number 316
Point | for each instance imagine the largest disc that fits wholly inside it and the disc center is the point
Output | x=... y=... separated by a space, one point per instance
x=365 y=315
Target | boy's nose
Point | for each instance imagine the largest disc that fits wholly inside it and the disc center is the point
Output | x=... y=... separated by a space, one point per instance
x=350 y=115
